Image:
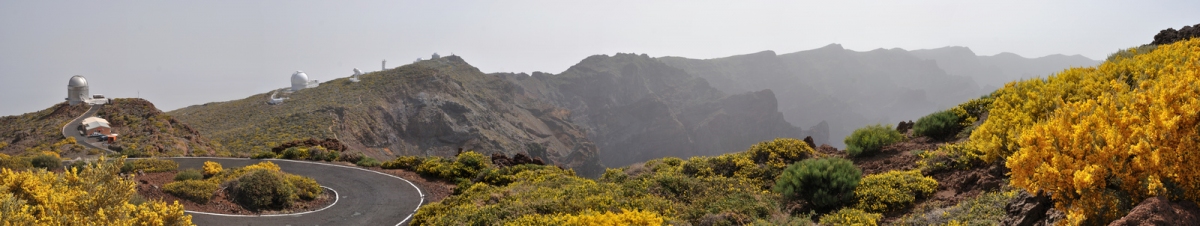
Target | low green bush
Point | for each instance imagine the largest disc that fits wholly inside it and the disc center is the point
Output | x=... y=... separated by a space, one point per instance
x=949 y=157
x=150 y=165
x=851 y=216
x=826 y=183
x=46 y=162
x=306 y=187
x=263 y=155
x=352 y=157
x=939 y=125
x=198 y=191
x=368 y=162
x=190 y=174
x=299 y=153
x=869 y=140
x=892 y=190
x=404 y=162
x=264 y=189
x=985 y=209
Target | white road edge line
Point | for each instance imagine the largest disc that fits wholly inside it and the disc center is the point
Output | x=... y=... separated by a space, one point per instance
x=335 y=200
x=419 y=204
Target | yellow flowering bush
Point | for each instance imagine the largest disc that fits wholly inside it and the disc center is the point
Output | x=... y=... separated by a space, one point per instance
x=94 y=195
x=211 y=168
x=892 y=190
x=851 y=216
x=590 y=218
x=779 y=153
x=1132 y=136
x=198 y=191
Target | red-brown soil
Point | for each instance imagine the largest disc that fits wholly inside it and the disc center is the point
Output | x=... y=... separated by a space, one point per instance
x=150 y=186
x=1160 y=211
x=435 y=190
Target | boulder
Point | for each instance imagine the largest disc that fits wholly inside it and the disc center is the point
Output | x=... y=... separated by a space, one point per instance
x=1030 y=210
x=1161 y=211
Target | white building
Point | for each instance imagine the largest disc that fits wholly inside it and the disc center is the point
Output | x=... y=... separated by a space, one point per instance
x=300 y=81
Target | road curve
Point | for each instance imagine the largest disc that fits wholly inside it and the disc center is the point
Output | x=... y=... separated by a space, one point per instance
x=70 y=131
x=366 y=197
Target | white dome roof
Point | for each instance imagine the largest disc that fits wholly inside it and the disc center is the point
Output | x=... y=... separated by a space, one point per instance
x=299 y=78
x=77 y=81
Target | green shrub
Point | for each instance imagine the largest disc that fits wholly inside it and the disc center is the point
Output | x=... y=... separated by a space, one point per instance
x=850 y=216
x=826 y=183
x=46 y=162
x=404 y=162
x=264 y=189
x=295 y=153
x=263 y=155
x=190 y=174
x=938 y=125
x=984 y=209
x=306 y=187
x=367 y=162
x=198 y=191
x=351 y=157
x=871 y=139
x=892 y=190
x=948 y=157
x=14 y=162
x=150 y=165
x=319 y=153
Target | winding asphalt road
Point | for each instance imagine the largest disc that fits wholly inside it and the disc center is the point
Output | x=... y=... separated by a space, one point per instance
x=70 y=130
x=366 y=197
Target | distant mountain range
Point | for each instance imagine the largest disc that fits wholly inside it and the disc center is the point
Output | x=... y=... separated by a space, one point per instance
x=844 y=89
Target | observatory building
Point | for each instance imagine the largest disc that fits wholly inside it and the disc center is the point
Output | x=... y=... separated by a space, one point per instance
x=77 y=90
x=300 y=81
x=354 y=78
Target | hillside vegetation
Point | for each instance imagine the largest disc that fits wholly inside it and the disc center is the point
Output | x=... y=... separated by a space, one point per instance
x=144 y=131
x=433 y=107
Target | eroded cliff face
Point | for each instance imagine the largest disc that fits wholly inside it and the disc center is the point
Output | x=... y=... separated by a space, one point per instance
x=433 y=107
x=636 y=108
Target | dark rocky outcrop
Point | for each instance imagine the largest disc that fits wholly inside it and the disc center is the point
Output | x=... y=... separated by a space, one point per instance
x=635 y=108
x=501 y=160
x=1170 y=35
x=1160 y=211
x=903 y=127
x=1030 y=210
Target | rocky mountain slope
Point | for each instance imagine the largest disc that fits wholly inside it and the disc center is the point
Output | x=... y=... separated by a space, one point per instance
x=144 y=131
x=433 y=107
x=844 y=89
x=636 y=108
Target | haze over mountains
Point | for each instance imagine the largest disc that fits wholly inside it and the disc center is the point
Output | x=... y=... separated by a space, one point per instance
x=611 y=111
x=847 y=89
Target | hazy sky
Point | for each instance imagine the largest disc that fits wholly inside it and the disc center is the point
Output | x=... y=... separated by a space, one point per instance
x=181 y=53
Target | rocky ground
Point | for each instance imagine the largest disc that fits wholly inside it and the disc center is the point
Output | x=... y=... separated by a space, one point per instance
x=150 y=186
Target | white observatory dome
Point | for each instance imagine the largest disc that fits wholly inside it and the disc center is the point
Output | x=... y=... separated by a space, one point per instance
x=299 y=80
x=77 y=90
x=77 y=82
